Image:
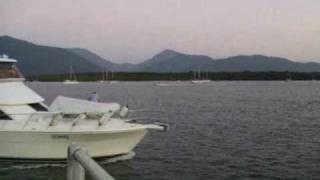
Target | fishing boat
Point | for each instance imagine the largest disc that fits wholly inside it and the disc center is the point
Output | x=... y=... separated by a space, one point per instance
x=72 y=78
x=31 y=130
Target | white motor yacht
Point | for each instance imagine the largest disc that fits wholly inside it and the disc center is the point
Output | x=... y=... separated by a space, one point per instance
x=31 y=130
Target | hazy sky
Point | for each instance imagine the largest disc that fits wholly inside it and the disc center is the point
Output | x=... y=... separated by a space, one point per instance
x=134 y=30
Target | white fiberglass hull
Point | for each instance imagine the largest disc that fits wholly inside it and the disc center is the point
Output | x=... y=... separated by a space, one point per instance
x=53 y=145
x=200 y=81
x=71 y=82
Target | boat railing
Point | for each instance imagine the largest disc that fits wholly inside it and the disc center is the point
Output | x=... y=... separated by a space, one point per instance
x=78 y=118
x=104 y=119
x=80 y=164
x=132 y=113
x=32 y=116
x=34 y=113
x=53 y=118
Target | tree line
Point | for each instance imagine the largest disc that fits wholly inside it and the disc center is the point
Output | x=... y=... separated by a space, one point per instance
x=184 y=76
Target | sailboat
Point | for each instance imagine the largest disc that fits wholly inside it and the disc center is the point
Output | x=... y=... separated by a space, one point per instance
x=112 y=79
x=288 y=78
x=104 y=77
x=313 y=78
x=199 y=80
x=72 y=78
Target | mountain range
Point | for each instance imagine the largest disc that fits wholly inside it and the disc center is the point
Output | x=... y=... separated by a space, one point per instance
x=36 y=59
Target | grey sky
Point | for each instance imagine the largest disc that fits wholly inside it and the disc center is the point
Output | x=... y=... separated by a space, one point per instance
x=134 y=30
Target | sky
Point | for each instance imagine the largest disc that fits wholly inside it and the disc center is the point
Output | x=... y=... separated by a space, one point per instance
x=135 y=30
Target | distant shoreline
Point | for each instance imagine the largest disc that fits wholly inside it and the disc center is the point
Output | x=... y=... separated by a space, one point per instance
x=185 y=76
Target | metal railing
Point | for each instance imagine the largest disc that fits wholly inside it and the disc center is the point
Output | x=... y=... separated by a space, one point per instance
x=80 y=163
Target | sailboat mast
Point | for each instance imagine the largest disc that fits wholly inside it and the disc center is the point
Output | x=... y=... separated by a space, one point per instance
x=70 y=73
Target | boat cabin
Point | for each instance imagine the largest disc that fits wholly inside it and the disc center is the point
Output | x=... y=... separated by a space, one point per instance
x=17 y=101
x=8 y=69
x=22 y=108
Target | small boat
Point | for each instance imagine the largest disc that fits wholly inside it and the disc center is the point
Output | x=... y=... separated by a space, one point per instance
x=174 y=83
x=72 y=78
x=70 y=82
x=104 y=77
x=165 y=84
x=199 y=80
x=113 y=81
x=31 y=130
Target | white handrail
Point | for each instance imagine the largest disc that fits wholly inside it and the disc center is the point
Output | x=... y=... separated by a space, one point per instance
x=33 y=113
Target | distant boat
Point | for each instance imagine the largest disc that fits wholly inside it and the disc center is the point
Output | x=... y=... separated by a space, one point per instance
x=163 y=84
x=199 y=80
x=175 y=83
x=72 y=78
x=288 y=79
x=104 y=77
x=313 y=78
x=70 y=82
x=112 y=81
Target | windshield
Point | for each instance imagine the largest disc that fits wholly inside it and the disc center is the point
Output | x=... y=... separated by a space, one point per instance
x=9 y=70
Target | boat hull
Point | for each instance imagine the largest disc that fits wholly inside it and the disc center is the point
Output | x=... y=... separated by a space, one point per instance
x=49 y=145
x=70 y=82
x=200 y=81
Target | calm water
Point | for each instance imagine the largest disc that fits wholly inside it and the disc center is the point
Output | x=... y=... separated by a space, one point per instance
x=225 y=130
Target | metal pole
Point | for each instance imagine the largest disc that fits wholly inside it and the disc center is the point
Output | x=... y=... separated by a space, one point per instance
x=79 y=160
x=75 y=171
x=94 y=170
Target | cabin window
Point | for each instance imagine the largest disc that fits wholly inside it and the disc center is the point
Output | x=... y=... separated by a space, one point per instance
x=38 y=107
x=8 y=70
x=4 y=116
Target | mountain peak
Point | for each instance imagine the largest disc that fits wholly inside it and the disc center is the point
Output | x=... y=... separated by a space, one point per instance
x=13 y=40
x=6 y=38
x=166 y=54
x=169 y=51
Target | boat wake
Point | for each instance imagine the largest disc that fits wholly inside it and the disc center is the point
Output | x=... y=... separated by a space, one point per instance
x=5 y=166
x=32 y=166
x=124 y=157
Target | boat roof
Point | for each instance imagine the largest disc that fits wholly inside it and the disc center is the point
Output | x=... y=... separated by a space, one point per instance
x=17 y=93
x=6 y=59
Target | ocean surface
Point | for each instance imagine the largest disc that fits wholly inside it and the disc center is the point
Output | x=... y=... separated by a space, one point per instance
x=221 y=130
